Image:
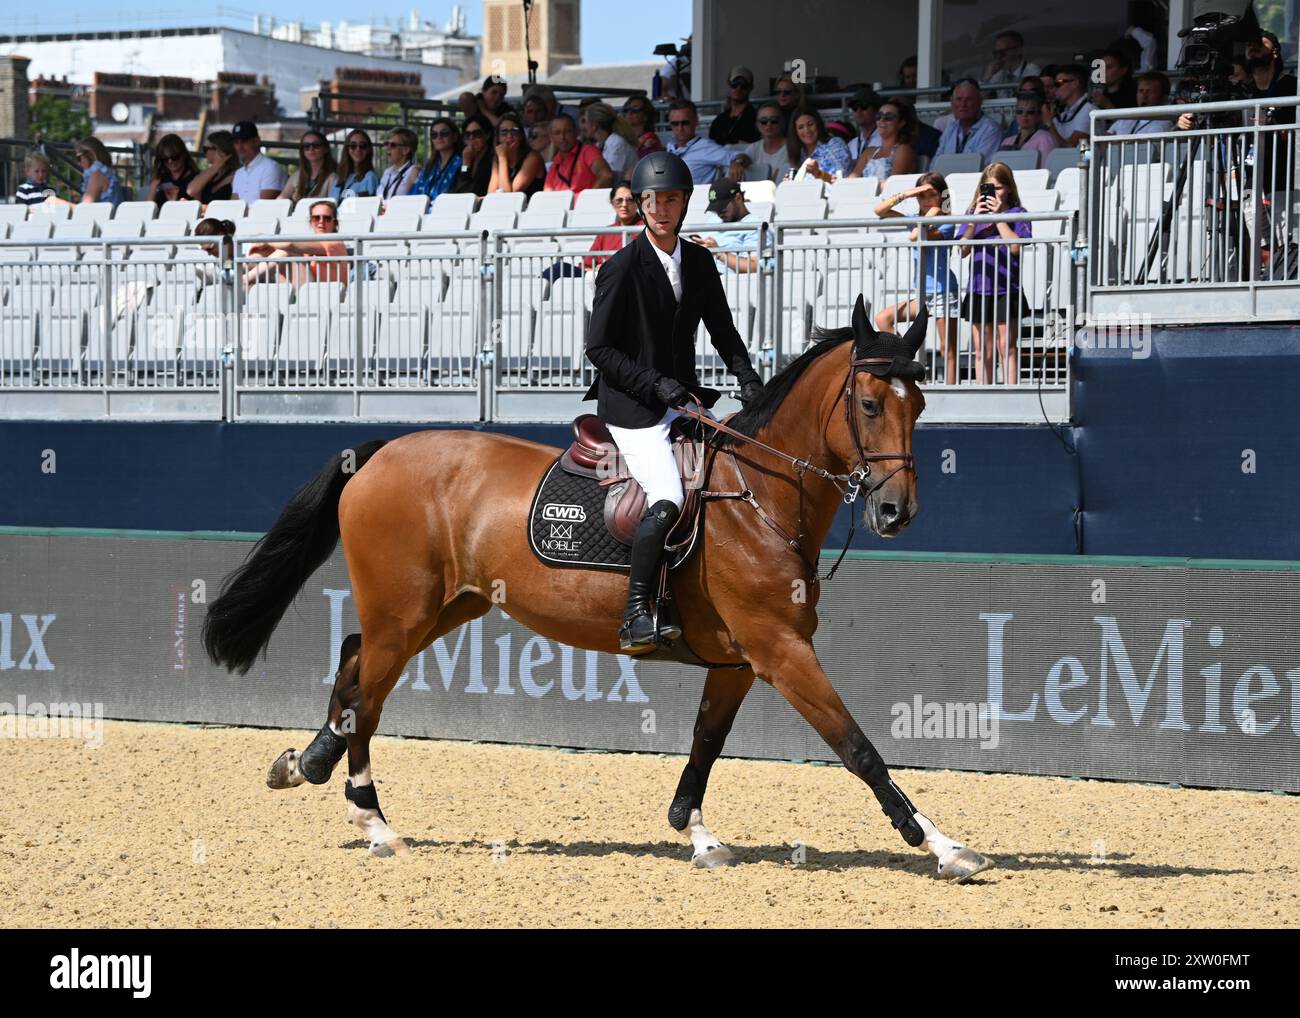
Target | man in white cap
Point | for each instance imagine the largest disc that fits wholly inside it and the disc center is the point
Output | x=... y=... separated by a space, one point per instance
x=736 y=124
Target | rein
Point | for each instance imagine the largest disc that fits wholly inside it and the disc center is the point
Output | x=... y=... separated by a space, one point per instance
x=852 y=481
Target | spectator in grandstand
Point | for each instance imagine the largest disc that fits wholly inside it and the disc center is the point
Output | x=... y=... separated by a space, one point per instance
x=1070 y=123
x=317 y=170
x=553 y=105
x=1146 y=42
x=907 y=73
x=35 y=187
x=576 y=166
x=735 y=124
x=1033 y=83
x=518 y=168
x=736 y=249
x=994 y=304
x=538 y=137
x=814 y=151
x=477 y=159
x=490 y=103
x=223 y=228
x=403 y=170
x=1240 y=74
x=1030 y=132
x=258 y=176
x=939 y=285
x=969 y=130
x=357 y=177
x=625 y=214
x=535 y=111
x=789 y=97
x=863 y=105
x=704 y=157
x=1119 y=91
x=1269 y=79
x=769 y=153
x=1048 y=80
x=1008 y=65
x=639 y=112
x=326 y=262
x=98 y=181
x=896 y=153
x=612 y=135
x=172 y=172
x=213 y=183
x=1152 y=90
x=441 y=172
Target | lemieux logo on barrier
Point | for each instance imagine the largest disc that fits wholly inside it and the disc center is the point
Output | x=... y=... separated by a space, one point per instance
x=1253 y=703
x=524 y=663
x=27 y=639
x=561 y=513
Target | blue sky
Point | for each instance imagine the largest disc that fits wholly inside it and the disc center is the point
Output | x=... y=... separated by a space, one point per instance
x=607 y=34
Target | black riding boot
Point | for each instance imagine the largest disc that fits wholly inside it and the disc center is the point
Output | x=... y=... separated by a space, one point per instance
x=638 y=629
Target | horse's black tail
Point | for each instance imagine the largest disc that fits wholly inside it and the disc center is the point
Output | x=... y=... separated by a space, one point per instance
x=255 y=596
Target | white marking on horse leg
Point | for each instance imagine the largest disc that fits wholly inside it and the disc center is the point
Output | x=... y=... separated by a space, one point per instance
x=384 y=841
x=938 y=843
x=709 y=851
x=956 y=861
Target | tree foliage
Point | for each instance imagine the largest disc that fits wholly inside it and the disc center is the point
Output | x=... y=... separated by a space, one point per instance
x=54 y=119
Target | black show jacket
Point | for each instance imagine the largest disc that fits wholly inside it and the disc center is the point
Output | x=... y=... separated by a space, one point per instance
x=639 y=332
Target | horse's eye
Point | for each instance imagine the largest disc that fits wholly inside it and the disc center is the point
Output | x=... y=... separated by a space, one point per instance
x=871 y=407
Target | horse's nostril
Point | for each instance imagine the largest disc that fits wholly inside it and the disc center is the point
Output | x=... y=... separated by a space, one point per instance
x=889 y=510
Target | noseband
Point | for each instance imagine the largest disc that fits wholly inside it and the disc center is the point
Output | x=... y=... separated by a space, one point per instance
x=850 y=484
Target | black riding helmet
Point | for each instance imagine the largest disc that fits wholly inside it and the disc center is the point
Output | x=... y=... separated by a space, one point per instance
x=662 y=171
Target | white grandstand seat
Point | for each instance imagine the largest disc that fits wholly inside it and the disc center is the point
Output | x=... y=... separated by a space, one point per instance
x=898 y=182
x=590 y=218
x=11 y=215
x=452 y=204
x=411 y=294
x=406 y=205
x=136 y=211
x=227 y=208
x=50 y=210
x=1032 y=180
x=1067 y=185
x=167 y=228
x=259 y=333
x=365 y=206
x=492 y=221
x=1018 y=159
x=446 y=222
x=76 y=233
x=397 y=222
x=157 y=340
x=95 y=212
x=314 y=295
x=116 y=229
x=852 y=190
x=593 y=198
x=18 y=330
x=351 y=223
x=270 y=208
x=259 y=226
x=342 y=352
x=502 y=203
x=187 y=211
x=541 y=219
x=562 y=200
x=853 y=210
x=790 y=192
x=400 y=345
x=28 y=296
x=1060 y=159
x=175 y=292
x=1040 y=201
x=809 y=210
x=758 y=190
x=265 y=297
x=957 y=162
x=203 y=334
x=33 y=229
x=304 y=341
x=374 y=294
x=62 y=337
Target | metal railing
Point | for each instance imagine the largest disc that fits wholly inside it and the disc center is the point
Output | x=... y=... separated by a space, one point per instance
x=491 y=326
x=1196 y=225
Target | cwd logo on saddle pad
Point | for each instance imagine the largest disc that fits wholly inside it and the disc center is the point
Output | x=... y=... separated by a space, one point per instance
x=558 y=512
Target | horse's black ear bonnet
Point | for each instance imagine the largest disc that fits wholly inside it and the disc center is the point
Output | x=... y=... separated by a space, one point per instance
x=901 y=350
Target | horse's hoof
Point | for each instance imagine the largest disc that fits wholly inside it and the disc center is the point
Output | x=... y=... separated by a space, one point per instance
x=284 y=773
x=389 y=849
x=964 y=865
x=713 y=858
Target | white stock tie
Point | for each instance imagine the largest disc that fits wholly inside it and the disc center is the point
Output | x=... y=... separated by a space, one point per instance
x=674 y=278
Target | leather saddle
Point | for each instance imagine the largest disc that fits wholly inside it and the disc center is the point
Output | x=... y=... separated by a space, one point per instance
x=594 y=454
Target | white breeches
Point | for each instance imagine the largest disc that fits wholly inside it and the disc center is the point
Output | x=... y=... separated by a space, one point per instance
x=648 y=456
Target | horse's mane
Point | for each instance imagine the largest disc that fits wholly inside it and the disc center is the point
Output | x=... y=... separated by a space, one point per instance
x=760 y=413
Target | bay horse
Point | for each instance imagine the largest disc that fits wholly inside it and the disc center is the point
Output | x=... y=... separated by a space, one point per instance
x=434 y=530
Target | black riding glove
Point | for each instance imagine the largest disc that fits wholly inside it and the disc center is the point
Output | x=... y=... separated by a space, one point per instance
x=750 y=391
x=670 y=391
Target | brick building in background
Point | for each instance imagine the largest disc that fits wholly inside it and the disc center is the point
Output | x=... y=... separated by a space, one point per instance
x=387 y=86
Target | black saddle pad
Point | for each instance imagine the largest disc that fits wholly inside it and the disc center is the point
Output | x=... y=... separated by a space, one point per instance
x=566 y=524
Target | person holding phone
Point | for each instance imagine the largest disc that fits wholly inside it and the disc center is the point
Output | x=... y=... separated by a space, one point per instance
x=174 y=170
x=994 y=304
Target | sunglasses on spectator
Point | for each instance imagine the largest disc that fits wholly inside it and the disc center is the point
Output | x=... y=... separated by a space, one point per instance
x=509 y=130
x=768 y=120
x=739 y=83
x=887 y=117
x=679 y=123
x=1066 y=81
x=394 y=144
x=323 y=219
x=173 y=159
x=444 y=132
x=634 y=109
x=311 y=144
x=358 y=144
x=1003 y=52
x=468 y=134
x=622 y=201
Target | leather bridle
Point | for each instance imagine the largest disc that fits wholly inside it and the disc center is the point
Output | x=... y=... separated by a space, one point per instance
x=849 y=485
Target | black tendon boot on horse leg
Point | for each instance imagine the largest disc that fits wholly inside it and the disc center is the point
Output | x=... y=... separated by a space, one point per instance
x=638 y=629
x=317 y=762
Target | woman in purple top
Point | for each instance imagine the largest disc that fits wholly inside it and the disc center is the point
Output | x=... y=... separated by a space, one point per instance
x=993 y=299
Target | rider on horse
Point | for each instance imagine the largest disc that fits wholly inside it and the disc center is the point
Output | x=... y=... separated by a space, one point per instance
x=650 y=299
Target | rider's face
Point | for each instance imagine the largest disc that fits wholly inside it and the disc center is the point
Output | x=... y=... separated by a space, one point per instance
x=663 y=210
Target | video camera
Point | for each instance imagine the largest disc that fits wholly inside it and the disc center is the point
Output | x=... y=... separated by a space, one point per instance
x=1214 y=41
